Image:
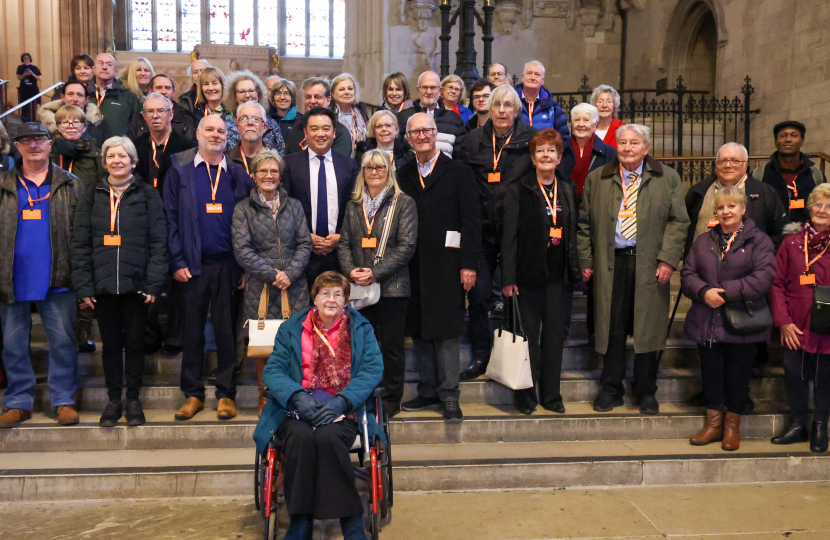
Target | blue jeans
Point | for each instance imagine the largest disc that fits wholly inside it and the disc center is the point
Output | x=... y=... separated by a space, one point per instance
x=59 y=316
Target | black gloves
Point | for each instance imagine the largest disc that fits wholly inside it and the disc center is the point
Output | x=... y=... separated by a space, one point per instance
x=330 y=411
x=306 y=405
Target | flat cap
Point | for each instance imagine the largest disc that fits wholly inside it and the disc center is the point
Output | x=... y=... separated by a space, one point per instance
x=31 y=128
x=789 y=124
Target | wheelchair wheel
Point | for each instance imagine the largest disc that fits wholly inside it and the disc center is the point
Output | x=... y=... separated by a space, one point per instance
x=271 y=527
x=258 y=481
x=375 y=524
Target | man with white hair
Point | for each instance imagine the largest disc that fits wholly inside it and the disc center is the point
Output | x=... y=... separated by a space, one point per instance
x=251 y=121
x=631 y=229
x=188 y=99
x=450 y=126
x=539 y=107
x=183 y=122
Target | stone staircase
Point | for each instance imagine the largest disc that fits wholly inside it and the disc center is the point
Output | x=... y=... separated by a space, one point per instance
x=495 y=448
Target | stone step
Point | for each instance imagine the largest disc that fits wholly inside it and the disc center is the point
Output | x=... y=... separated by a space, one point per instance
x=482 y=424
x=122 y=474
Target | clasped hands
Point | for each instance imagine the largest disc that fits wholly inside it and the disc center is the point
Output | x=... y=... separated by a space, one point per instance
x=362 y=276
x=318 y=414
x=324 y=246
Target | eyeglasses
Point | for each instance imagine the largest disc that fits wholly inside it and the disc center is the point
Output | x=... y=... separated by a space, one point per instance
x=384 y=126
x=37 y=139
x=730 y=162
x=246 y=91
x=426 y=132
x=251 y=120
x=497 y=73
x=428 y=88
x=104 y=64
x=481 y=97
x=337 y=295
x=453 y=89
x=70 y=123
x=376 y=169
x=283 y=93
x=265 y=173
x=819 y=206
x=157 y=112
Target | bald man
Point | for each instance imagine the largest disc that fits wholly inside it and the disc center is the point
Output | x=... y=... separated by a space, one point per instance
x=118 y=105
x=450 y=126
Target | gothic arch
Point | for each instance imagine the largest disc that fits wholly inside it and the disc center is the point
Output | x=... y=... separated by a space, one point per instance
x=697 y=29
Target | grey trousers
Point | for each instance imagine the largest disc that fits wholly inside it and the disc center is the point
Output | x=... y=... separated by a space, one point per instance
x=438 y=365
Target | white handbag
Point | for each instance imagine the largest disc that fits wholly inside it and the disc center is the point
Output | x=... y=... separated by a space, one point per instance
x=362 y=296
x=262 y=332
x=510 y=360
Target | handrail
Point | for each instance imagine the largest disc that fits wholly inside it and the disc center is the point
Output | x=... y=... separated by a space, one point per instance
x=31 y=99
x=2 y=82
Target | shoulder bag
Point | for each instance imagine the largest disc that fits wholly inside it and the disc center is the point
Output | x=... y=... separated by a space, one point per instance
x=362 y=296
x=820 y=311
x=262 y=332
x=510 y=360
x=747 y=318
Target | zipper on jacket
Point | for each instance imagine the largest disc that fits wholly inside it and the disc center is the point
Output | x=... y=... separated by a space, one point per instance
x=118 y=255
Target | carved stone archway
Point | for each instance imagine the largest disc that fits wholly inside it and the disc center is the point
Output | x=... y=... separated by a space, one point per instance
x=697 y=29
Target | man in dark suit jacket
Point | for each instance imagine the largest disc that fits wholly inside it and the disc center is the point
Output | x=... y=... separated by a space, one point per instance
x=317 y=93
x=321 y=179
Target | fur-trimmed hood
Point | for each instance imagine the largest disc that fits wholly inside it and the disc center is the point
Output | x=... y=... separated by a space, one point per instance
x=793 y=228
x=47 y=114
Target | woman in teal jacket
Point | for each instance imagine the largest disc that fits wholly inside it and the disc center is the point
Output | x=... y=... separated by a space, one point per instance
x=325 y=365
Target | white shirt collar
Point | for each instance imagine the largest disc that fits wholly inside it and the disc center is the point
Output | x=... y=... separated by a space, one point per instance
x=198 y=160
x=313 y=155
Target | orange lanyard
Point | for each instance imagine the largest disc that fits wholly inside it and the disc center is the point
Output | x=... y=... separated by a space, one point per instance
x=114 y=204
x=301 y=145
x=497 y=158
x=795 y=190
x=421 y=178
x=70 y=164
x=33 y=201
x=530 y=107
x=807 y=262
x=729 y=244
x=401 y=106
x=100 y=98
x=552 y=207
x=214 y=187
x=633 y=186
x=369 y=224
x=244 y=161
x=325 y=340
x=354 y=131
x=164 y=149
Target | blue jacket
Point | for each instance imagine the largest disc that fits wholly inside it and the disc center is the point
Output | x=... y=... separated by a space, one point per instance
x=283 y=374
x=184 y=239
x=547 y=112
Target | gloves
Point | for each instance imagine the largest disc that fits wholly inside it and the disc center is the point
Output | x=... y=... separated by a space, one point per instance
x=330 y=411
x=305 y=404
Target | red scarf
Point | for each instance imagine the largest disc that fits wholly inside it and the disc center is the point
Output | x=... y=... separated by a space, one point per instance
x=331 y=373
x=583 y=164
x=816 y=241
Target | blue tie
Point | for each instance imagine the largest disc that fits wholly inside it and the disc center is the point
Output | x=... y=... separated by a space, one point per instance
x=321 y=228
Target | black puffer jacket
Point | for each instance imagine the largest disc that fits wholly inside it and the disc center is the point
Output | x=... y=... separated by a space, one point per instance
x=257 y=242
x=140 y=262
x=450 y=126
x=393 y=271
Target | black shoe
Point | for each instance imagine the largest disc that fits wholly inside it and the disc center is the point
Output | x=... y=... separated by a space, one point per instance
x=87 y=346
x=420 y=403
x=606 y=402
x=796 y=433
x=475 y=371
x=649 y=405
x=135 y=414
x=557 y=407
x=111 y=415
x=152 y=348
x=525 y=409
x=818 y=437
x=452 y=412
x=697 y=400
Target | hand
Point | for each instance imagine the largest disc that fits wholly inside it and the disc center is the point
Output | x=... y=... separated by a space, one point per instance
x=664 y=272
x=148 y=298
x=242 y=282
x=282 y=280
x=333 y=240
x=330 y=411
x=510 y=290
x=88 y=302
x=713 y=298
x=789 y=336
x=306 y=406
x=468 y=279
x=182 y=275
x=319 y=245
x=362 y=276
x=587 y=273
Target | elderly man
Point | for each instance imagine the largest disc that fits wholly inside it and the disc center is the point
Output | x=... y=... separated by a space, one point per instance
x=75 y=93
x=188 y=99
x=251 y=122
x=200 y=192
x=479 y=95
x=118 y=104
x=37 y=209
x=539 y=108
x=450 y=126
x=182 y=123
x=498 y=154
x=497 y=74
x=317 y=93
x=631 y=229
x=449 y=242
x=789 y=172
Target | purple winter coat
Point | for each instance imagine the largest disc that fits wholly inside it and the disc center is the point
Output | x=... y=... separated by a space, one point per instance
x=746 y=273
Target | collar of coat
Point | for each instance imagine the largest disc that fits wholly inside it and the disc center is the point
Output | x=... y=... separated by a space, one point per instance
x=806 y=163
x=255 y=200
x=747 y=235
x=9 y=181
x=103 y=184
x=649 y=164
x=522 y=134
x=437 y=171
x=294 y=327
x=597 y=147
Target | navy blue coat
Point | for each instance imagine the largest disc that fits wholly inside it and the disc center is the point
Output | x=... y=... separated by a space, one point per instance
x=547 y=112
x=184 y=239
x=601 y=155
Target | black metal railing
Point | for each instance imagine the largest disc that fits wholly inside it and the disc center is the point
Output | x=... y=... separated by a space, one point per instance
x=693 y=169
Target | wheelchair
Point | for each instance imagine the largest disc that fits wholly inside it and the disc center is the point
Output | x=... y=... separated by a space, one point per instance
x=376 y=472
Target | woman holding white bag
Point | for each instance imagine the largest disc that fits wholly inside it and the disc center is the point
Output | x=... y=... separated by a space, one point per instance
x=540 y=265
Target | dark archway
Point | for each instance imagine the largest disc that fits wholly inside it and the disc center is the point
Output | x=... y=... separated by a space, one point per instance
x=695 y=33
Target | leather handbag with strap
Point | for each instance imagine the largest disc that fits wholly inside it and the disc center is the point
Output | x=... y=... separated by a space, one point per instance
x=747 y=318
x=262 y=332
x=362 y=296
x=510 y=360
x=820 y=311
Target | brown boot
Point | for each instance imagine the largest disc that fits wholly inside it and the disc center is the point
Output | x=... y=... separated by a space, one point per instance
x=731 y=432
x=67 y=415
x=712 y=430
x=189 y=409
x=13 y=418
x=260 y=366
x=226 y=409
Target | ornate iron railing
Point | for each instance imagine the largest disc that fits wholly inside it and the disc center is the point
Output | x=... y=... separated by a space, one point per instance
x=694 y=169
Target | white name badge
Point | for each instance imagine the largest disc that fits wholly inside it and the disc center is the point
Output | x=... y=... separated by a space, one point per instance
x=453 y=239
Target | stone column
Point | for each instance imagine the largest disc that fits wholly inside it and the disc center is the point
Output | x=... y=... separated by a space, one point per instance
x=367 y=36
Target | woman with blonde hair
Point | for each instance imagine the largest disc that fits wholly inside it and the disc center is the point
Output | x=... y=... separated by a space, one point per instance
x=382 y=133
x=380 y=210
x=345 y=102
x=137 y=77
x=454 y=96
x=210 y=92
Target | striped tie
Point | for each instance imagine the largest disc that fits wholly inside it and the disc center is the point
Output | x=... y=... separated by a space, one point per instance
x=629 y=224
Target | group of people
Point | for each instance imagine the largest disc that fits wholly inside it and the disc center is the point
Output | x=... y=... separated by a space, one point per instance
x=126 y=204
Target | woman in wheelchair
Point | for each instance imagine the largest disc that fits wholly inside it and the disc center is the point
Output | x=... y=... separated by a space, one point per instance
x=325 y=365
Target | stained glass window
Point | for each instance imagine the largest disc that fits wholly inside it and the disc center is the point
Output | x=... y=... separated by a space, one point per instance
x=339 y=21
x=243 y=22
x=166 y=26
x=142 y=25
x=318 y=29
x=295 y=27
x=220 y=22
x=269 y=23
x=191 y=24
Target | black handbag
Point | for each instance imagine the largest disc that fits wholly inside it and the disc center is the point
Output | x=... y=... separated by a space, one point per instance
x=820 y=311
x=747 y=318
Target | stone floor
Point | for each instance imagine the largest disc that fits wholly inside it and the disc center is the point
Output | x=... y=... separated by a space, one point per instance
x=739 y=512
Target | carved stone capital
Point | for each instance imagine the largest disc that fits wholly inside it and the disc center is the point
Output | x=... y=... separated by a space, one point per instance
x=422 y=11
x=507 y=14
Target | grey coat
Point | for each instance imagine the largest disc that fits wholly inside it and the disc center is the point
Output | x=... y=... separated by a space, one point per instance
x=257 y=243
x=393 y=271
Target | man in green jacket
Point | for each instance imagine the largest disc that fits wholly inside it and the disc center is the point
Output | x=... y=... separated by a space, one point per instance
x=631 y=230
x=118 y=105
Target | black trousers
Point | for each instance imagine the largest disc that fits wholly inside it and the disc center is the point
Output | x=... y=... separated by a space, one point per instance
x=799 y=369
x=544 y=320
x=726 y=369
x=318 y=264
x=212 y=290
x=121 y=320
x=388 y=318
x=165 y=305
x=622 y=326
x=480 y=297
x=319 y=480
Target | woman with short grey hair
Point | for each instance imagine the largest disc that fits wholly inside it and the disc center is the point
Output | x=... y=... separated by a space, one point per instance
x=607 y=101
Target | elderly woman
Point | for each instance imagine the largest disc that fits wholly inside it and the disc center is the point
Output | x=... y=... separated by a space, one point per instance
x=382 y=134
x=210 y=91
x=540 y=265
x=283 y=105
x=119 y=265
x=499 y=155
x=732 y=265
x=325 y=365
x=792 y=300
x=454 y=96
x=586 y=151
x=137 y=77
x=272 y=244
x=395 y=93
x=345 y=102
x=379 y=204
x=73 y=149
x=244 y=86
x=607 y=102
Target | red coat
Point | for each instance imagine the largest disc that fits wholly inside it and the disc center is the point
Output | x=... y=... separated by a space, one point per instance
x=791 y=301
x=611 y=137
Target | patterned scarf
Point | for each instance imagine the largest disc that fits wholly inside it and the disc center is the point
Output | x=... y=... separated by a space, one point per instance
x=724 y=239
x=407 y=104
x=816 y=241
x=331 y=373
x=274 y=205
x=357 y=126
x=371 y=205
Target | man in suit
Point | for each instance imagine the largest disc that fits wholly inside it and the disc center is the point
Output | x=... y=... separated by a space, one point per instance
x=323 y=182
x=317 y=93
